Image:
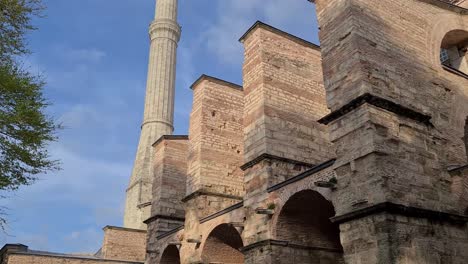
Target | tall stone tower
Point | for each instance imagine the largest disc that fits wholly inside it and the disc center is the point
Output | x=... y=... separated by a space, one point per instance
x=159 y=110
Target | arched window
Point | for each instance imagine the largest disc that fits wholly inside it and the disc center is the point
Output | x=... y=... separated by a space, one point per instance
x=304 y=222
x=453 y=51
x=223 y=246
x=170 y=255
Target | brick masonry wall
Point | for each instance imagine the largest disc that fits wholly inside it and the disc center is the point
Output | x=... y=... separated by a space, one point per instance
x=388 y=151
x=215 y=149
x=124 y=244
x=169 y=188
x=170 y=256
x=169 y=183
x=222 y=246
x=408 y=240
x=284 y=97
x=287 y=255
x=39 y=259
x=410 y=78
x=216 y=138
x=290 y=254
x=304 y=220
x=215 y=180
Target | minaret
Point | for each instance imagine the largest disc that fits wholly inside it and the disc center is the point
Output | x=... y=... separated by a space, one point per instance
x=159 y=110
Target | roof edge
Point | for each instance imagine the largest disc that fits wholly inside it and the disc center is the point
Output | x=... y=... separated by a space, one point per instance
x=124 y=229
x=260 y=24
x=68 y=256
x=170 y=137
x=211 y=78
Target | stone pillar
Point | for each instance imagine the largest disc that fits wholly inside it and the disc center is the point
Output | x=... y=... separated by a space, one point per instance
x=284 y=98
x=394 y=128
x=169 y=184
x=214 y=179
x=159 y=110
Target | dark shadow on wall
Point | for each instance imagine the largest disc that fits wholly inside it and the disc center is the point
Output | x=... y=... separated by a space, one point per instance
x=304 y=222
x=453 y=51
x=223 y=246
x=170 y=255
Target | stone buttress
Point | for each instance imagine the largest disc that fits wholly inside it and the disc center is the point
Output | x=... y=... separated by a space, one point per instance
x=397 y=123
x=284 y=98
x=214 y=179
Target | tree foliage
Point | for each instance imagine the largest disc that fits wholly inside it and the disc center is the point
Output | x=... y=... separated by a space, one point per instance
x=15 y=22
x=25 y=129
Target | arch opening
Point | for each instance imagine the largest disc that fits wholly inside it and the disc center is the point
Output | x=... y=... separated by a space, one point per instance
x=453 y=51
x=170 y=255
x=223 y=246
x=304 y=222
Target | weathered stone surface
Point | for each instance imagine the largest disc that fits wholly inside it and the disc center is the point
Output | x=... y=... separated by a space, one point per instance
x=355 y=152
x=124 y=244
x=215 y=180
x=169 y=184
x=18 y=258
x=21 y=254
x=284 y=98
x=390 y=49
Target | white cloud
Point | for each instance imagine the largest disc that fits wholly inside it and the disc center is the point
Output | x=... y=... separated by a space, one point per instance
x=94 y=186
x=234 y=17
x=82 y=179
x=79 y=115
x=86 y=55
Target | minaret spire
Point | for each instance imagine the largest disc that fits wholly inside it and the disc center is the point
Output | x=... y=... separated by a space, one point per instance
x=159 y=110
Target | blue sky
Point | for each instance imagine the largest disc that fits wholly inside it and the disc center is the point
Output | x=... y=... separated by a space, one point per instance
x=93 y=54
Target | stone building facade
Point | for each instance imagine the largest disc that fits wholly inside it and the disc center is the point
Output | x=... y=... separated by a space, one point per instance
x=352 y=152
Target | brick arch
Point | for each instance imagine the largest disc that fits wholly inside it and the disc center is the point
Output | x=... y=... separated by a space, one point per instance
x=283 y=195
x=304 y=222
x=223 y=245
x=442 y=25
x=170 y=255
x=305 y=217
